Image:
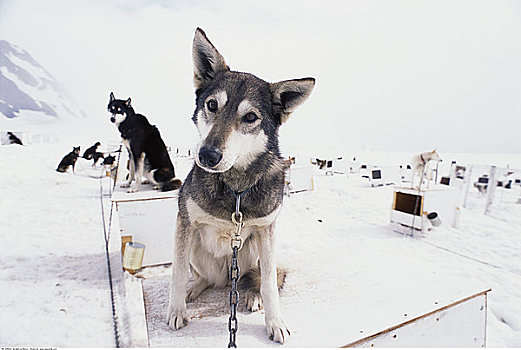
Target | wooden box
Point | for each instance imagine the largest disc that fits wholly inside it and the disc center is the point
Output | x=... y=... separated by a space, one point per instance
x=148 y=217
x=411 y=207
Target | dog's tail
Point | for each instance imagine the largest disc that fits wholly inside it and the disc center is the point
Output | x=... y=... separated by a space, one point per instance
x=166 y=177
x=171 y=185
x=251 y=280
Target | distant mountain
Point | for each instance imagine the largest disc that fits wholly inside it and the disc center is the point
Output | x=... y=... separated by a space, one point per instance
x=27 y=86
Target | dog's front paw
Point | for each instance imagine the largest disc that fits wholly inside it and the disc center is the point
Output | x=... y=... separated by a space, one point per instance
x=177 y=318
x=125 y=185
x=277 y=330
x=132 y=190
x=253 y=301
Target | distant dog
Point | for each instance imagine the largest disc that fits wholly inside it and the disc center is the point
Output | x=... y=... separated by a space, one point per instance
x=95 y=157
x=13 y=139
x=109 y=160
x=421 y=168
x=238 y=116
x=91 y=150
x=147 y=151
x=69 y=160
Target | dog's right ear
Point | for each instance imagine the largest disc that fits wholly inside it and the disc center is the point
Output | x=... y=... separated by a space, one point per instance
x=208 y=62
x=112 y=98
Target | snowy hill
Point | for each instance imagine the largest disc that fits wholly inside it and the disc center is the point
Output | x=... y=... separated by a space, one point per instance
x=27 y=86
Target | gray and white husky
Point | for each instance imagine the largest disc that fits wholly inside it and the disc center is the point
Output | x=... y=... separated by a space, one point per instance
x=237 y=116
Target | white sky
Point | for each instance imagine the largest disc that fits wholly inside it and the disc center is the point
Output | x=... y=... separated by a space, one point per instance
x=391 y=75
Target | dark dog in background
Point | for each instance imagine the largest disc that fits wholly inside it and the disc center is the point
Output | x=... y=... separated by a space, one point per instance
x=89 y=152
x=109 y=160
x=13 y=139
x=69 y=160
x=147 y=151
x=95 y=157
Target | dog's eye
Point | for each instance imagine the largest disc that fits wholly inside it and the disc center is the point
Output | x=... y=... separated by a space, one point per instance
x=212 y=105
x=250 y=117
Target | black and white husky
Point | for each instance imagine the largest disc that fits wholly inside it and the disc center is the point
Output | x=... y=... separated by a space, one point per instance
x=147 y=151
x=238 y=116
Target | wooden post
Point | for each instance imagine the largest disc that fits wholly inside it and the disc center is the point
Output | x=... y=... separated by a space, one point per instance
x=468 y=179
x=491 y=190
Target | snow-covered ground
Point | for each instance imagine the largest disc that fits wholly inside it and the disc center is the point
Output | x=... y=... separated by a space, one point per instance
x=54 y=283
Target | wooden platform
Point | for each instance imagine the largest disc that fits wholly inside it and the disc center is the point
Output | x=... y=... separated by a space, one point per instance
x=431 y=318
x=385 y=300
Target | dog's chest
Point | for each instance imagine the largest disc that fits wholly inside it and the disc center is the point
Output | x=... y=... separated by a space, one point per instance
x=215 y=233
x=216 y=239
x=126 y=143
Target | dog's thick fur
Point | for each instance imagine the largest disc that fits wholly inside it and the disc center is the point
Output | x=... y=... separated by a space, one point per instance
x=69 y=160
x=420 y=164
x=237 y=116
x=147 y=151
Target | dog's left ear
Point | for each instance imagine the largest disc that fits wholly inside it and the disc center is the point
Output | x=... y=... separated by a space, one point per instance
x=128 y=103
x=208 y=62
x=287 y=95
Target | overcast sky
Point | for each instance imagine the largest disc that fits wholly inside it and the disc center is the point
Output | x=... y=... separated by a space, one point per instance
x=391 y=75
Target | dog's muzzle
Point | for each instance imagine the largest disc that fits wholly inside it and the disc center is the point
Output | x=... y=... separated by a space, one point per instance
x=113 y=118
x=210 y=156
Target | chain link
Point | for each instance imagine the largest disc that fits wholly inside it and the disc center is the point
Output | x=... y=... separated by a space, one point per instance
x=236 y=242
x=233 y=326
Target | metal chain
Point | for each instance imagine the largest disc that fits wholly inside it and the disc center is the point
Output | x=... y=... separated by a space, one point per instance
x=233 y=326
x=109 y=269
x=236 y=244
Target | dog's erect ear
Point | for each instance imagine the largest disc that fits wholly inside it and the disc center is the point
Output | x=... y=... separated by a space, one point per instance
x=112 y=98
x=287 y=95
x=208 y=62
x=128 y=103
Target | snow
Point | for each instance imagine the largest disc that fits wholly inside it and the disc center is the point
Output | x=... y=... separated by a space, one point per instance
x=334 y=241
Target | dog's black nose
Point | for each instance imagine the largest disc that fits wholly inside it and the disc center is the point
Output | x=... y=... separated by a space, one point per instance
x=113 y=119
x=210 y=156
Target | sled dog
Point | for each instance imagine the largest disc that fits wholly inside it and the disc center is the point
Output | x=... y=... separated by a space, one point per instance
x=238 y=116
x=89 y=152
x=69 y=160
x=13 y=139
x=147 y=151
x=95 y=157
x=109 y=160
x=421 y=168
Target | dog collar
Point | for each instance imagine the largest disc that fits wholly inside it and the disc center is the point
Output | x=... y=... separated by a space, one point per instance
x=238 y=196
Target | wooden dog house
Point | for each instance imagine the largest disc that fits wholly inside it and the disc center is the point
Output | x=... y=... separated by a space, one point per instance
x=375 y=177
x=411 y=207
